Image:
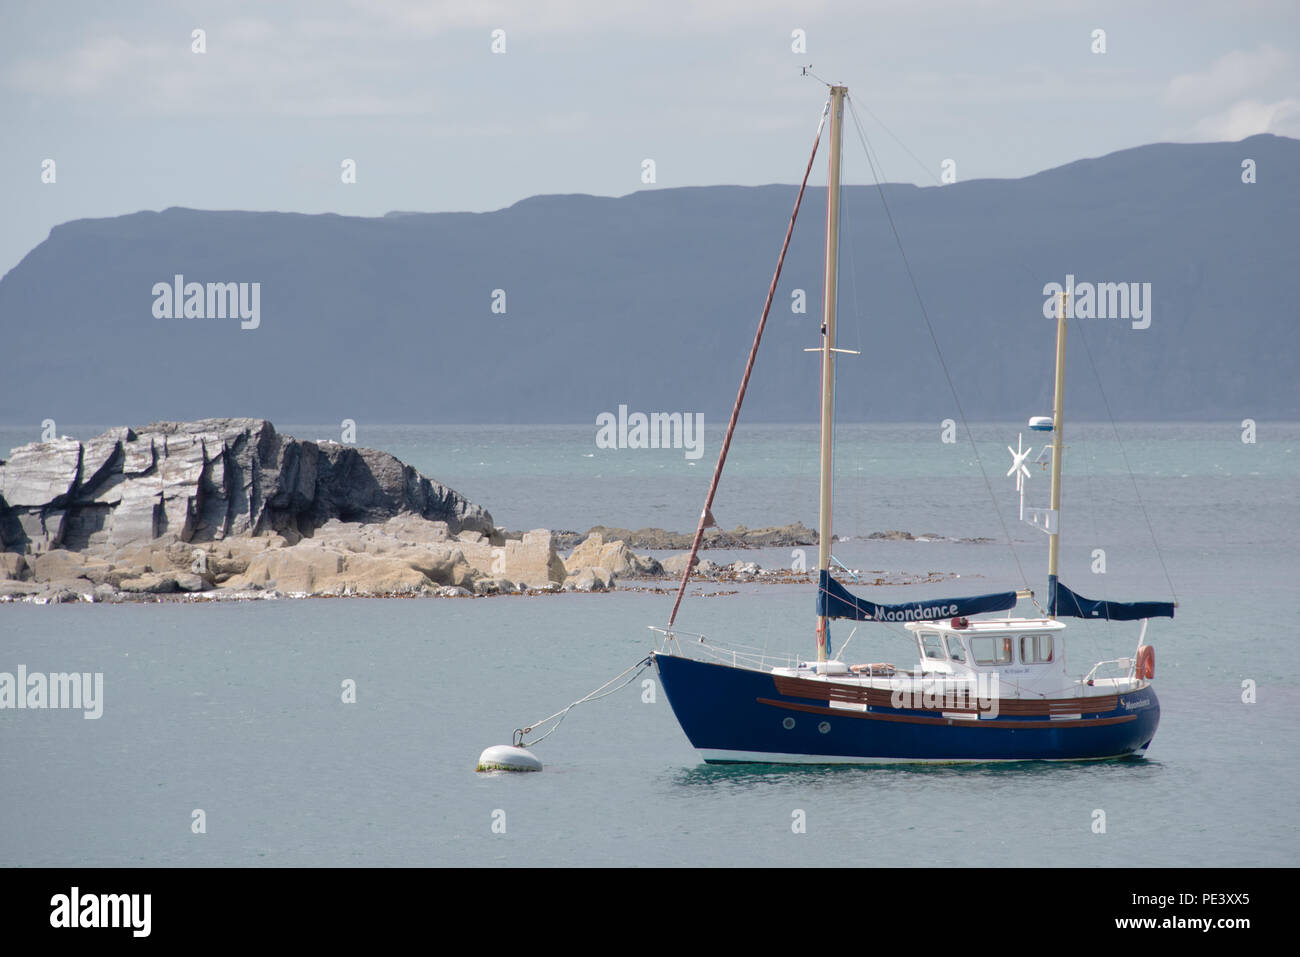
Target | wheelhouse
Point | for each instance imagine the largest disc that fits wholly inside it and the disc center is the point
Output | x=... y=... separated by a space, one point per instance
x=1023 y=647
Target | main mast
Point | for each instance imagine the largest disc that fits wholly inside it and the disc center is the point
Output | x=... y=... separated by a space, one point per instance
x=828 y=355
x=1058 y=418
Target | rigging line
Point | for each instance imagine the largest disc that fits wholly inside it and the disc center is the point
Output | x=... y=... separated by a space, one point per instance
x=1085 y=453
x=1132 y=478
x=929 y=172
x=705 y=515
x=934 y=339
x=1092 y=503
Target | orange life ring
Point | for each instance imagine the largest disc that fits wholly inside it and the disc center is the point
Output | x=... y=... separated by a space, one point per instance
x=1146 y=663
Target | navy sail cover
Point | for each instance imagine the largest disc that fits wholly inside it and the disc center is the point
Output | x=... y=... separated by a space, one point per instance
x=835 y=601
x=1066 y=602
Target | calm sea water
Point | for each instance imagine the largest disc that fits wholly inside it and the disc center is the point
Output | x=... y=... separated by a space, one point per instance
x=236 y=709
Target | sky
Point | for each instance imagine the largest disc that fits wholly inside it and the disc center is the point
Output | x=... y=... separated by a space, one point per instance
x=475 y=105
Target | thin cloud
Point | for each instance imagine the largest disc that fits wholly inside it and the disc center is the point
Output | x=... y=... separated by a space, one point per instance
x=94 y=67
x=1231 y=77
x=583 y=16
x=249 y=67
x=1249 y=117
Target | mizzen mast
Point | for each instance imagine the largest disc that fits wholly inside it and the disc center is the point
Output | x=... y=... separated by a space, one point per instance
x=828 y=355
x=1058 y=420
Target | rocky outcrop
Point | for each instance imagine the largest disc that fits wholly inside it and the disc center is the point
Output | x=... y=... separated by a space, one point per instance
x=207 y=481
x=777 y=536
x=232 y=507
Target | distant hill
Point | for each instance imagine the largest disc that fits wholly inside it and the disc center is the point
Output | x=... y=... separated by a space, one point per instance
x=650 y=300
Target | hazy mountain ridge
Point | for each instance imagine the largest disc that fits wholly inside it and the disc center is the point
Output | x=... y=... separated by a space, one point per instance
x=650 y=300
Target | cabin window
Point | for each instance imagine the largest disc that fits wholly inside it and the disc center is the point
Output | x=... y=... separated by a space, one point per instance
x=1036 y=649
x=990 y=650
x=931 y=646
x=954 y=649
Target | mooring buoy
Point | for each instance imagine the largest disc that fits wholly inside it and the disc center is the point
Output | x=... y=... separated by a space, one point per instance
x=507 y=757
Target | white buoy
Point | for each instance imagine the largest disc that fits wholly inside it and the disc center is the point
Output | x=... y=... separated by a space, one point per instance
x=506 y=757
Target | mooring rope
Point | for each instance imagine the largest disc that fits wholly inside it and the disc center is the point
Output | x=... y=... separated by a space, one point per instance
x=563 y=712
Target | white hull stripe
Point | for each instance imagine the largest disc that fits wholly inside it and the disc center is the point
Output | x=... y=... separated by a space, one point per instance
x=768 y=757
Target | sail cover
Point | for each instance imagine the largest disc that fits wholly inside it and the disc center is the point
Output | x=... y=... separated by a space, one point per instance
x=1066 y=602
x=835 y=601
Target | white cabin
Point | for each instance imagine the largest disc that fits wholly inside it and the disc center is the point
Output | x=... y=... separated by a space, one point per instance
x=1019 y=657
x=1026 y=654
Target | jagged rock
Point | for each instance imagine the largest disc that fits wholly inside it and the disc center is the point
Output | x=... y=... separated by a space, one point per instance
x=532 y=560
x=62 y=564
x=613 y=556
x=136 y=516
x=47 y=566
x=148 y=584
x=97 y=572
x=138 y=455
x=443 y=565
x=206 y=481
x=222 y=567
x=77 y=586
x=12 y=566
x=121 y=573
x=495 y=586
x=41 y=474
x=413 y=528
x=372 y=486
x=104 y=592
x=377 y=575
x=589 y=579
x=231 y=504
x=188 y=581
x=676 y=564
x=351 y=558
x=291 y=570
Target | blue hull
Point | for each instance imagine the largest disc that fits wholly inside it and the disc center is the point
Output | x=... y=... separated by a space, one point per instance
x=738 y=715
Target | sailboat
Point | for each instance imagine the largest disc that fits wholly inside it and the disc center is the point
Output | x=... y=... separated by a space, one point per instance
x=983 y=689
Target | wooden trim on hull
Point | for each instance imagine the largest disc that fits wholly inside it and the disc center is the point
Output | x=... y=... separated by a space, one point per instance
x=882 y=698
x=955 y=722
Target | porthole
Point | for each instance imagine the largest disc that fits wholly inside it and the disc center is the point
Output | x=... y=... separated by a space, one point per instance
x=824 y=727
x=788 y=723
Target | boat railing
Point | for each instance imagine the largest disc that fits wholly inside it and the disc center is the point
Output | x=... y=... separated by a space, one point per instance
x=755 y=658
x=736 y=654
x=1125 y=663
